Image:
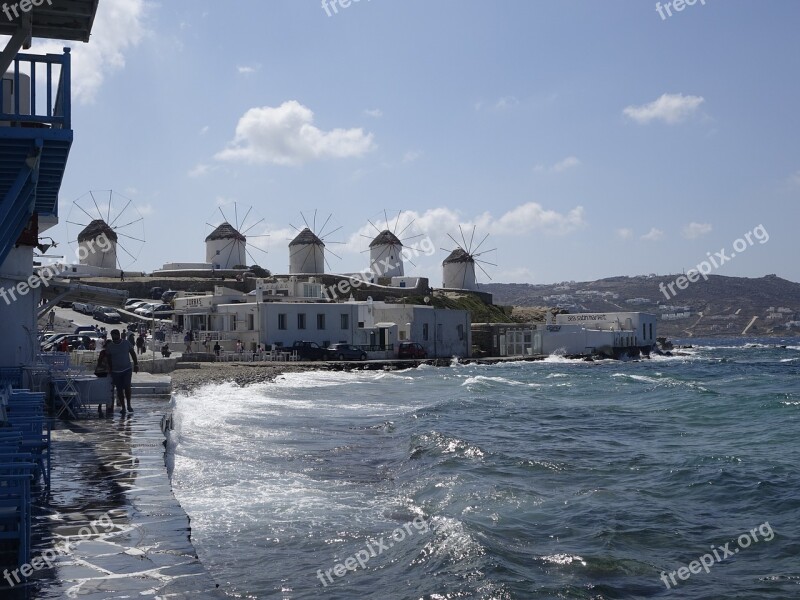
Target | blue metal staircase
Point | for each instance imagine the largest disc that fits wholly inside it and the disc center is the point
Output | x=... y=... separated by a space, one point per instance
x=34 y=147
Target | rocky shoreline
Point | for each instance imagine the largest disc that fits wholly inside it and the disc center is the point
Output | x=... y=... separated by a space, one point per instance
x=200 y=374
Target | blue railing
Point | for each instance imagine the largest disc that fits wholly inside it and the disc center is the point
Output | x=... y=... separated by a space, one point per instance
x=57 y=107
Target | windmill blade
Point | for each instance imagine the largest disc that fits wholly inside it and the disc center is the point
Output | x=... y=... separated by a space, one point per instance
x=128 y=224
x=484 y=271
x=77 y=224
x=129 y=237
x=120 y=214
x=108 y=215
x=471 y=239
x=297 y=229
x=463 y=238
x=244 y=220
x=332 y=232
x=482 y=241
x=236 y=215
x=413 y=237
x=253 y=247
x=411 y=261
x=397 y=222
x=485 y=262
x=253 y=225
x=406 y=227
x=224 y=218
x=314 y=228
x=484 y=252
x=99 y=212
x=305 y=221
x=456 y=243
x=126 y=252
x=324 y=225
x=375 y=226
x=334 y=253
x=75 y=202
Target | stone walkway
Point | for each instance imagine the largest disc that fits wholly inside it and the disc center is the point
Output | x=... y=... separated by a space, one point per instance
x=117 y=530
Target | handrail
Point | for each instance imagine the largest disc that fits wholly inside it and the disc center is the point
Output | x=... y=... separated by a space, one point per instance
x=58 y=105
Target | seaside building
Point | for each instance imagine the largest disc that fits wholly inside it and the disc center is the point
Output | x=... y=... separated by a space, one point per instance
x=458 y=270
x=376 y=327
x=611 y=334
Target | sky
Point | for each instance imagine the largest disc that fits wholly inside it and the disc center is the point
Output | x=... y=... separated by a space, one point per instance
x=587 y=139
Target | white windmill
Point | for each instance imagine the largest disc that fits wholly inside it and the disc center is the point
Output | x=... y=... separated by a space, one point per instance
x=458 y=269
x=227 y=245
x=307 y=249
x=386 y=257
x=110 y=232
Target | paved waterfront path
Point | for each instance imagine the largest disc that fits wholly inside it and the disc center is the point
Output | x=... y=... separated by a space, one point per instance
x=109 y=477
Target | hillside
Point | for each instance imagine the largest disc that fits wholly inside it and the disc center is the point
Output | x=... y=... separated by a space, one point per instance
x=721 y=306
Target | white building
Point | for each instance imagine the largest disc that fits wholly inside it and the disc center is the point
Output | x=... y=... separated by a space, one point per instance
x=377 y=327
x=226 y=248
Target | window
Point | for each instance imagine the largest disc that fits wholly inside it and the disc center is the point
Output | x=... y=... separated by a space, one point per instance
x=461 y=333
x=424 y=332
x=250 y=322
x=320 y=321
x=361 y=324
x=301 y=320
x=644 y=332
x=345 y=321
x=403 y=335
x=651 y=331
x=282 y=321
x=439 y=332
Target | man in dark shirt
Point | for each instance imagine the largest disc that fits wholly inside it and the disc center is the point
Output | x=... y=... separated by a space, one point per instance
x=120 y=353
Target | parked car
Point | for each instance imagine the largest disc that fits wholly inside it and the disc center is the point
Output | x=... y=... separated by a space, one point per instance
x=168 y=296
x=84 y=329
x=155 y=293
x=411 y=350
x=157 y=311
x=74 y=341
x=83 y=307
x=143 y=308
x=346 y=352
x=309 y=351
x=49 y=344
x=130 y=302
x=106 y=315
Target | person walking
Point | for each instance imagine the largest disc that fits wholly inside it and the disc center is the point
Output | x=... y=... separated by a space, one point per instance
x=187 y=339
x=120 y=354
x=140 y=347
x=217 y=348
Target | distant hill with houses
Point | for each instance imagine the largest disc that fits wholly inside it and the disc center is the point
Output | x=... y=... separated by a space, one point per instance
x=721 y=306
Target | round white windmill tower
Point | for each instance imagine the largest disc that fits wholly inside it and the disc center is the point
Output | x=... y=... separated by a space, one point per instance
x=97 y=245
x=386 y=255
x=306 y=254
x=458 y=269
x=226 y=247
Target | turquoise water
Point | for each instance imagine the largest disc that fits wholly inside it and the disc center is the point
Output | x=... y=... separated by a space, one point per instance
x=557 y=479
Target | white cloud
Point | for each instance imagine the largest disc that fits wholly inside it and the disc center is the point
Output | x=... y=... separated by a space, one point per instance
x=199 y=170
x=506 y=102
x=669 y=108
x=146 y=210
x=695 y=230
x=375 y=113
x=285 y=135
x=204 y=130
x=411 y=156
x=118 y=27
x=246 y=69
x=653 y=235
x=624 y=233
x=559 y=167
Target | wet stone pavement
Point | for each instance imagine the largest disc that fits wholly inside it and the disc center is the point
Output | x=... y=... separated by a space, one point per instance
x=110 y=526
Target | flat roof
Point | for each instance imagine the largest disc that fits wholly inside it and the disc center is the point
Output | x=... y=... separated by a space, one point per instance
x=54 y=19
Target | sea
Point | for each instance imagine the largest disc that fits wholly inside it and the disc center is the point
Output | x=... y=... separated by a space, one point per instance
x=675 y=477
